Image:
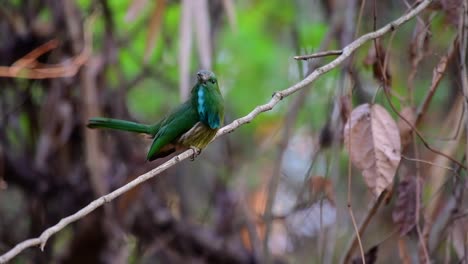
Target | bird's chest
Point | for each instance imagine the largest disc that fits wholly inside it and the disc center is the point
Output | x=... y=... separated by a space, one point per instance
x=198 y=136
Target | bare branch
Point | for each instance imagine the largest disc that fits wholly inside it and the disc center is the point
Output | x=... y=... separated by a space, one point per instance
x=319 y=54
x=277 y=97
x=27 y=67
x=363 y=226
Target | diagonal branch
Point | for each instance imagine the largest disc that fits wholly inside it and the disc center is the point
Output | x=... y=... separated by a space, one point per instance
x=277 y=97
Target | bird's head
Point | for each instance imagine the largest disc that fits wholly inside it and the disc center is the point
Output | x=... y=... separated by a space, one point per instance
x=206 y=78
x=206 y=98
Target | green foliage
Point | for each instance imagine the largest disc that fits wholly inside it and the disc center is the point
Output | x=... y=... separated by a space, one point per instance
x=311 y=35
x=150 y=100
x=260 y=74
x=83 y=4
x=45 y=14
x=171 y=19
x=251 y=64
x=131 y=59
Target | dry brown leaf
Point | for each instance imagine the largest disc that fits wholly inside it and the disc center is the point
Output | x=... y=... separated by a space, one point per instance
x=409 y=114
x=439 y=71
x=346 y=106
x=319 y=184
x=154 y=28
x=376 y=58
x=404 y=212
x=373 y=141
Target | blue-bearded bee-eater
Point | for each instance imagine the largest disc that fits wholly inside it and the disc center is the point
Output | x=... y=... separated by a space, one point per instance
x=191 y=125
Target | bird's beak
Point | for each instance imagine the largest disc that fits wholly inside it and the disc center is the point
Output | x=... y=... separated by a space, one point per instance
x=202 y=77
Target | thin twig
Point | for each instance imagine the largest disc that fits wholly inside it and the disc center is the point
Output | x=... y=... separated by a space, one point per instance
x=428 y=162
x=29 y=59
x=277 y=97
x=361 y=12
x=27 y=67
x=420 y=136
x=363 y=227
x=347 y=36
x=422 y=242
x=65 y=69
x=319 y=54
x=357 y=232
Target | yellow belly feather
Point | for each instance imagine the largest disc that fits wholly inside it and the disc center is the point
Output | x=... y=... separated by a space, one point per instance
x=198 y=136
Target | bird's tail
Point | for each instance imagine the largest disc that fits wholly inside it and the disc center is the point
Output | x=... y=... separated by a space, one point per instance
x=118 y=124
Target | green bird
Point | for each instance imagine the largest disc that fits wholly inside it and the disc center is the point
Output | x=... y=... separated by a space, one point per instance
x=191 y=125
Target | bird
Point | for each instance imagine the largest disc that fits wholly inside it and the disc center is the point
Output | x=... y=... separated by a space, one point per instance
x=191 y=125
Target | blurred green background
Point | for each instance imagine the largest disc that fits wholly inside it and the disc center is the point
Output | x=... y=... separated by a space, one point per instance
x=141 y=60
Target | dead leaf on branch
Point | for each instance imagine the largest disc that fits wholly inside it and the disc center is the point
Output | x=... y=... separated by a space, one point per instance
x=404 y=212
x=376 y=58
x=373 y=142
x=322 y=185
x=346 y=106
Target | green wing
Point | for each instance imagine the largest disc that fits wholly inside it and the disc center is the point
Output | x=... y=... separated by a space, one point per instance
x=172 y=127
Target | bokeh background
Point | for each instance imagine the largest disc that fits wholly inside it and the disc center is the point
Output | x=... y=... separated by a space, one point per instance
x=275 y=189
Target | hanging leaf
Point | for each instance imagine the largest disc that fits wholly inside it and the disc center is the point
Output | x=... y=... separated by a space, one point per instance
x=345 y=108
x=405 y=130
x=376 y=58
x=319 y=185
x=373 y=142
x=404 y=212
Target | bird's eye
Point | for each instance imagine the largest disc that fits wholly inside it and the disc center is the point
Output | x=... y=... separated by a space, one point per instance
x=213 y=81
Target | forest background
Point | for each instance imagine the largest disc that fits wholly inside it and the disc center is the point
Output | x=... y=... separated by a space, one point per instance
x=280 y=189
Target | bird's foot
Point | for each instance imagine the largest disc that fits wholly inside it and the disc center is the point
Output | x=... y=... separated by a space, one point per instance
x=196 y=152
